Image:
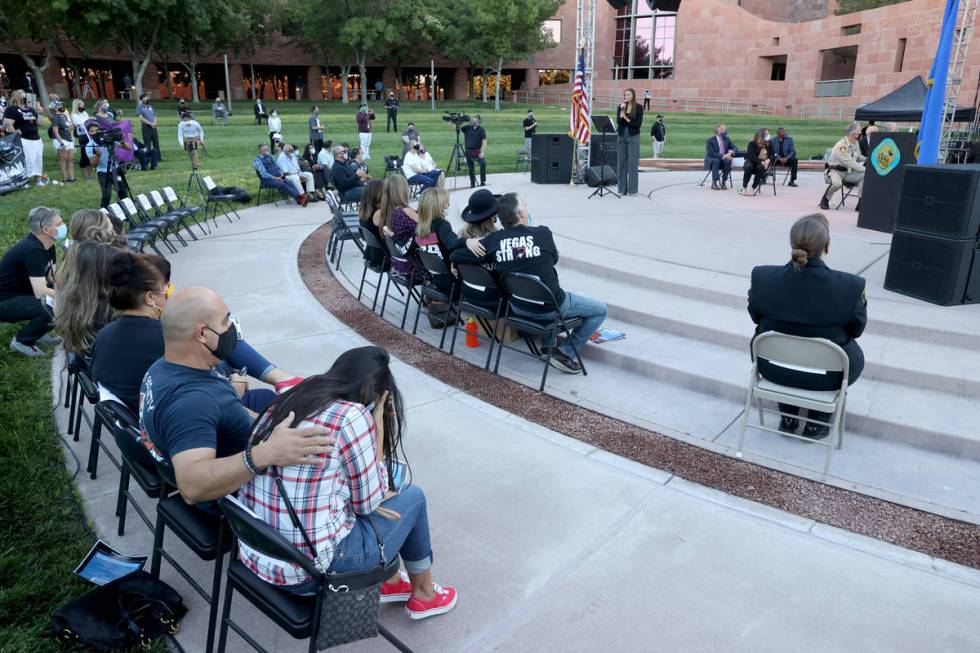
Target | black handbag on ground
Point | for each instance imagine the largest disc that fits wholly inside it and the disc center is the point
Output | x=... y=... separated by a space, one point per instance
x=349 y=601
x=130 y=611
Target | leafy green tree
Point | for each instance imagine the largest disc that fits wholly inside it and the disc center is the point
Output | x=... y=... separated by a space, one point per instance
x=850 y=6
x=36 y=23
x=255 y=23
x=307 y=25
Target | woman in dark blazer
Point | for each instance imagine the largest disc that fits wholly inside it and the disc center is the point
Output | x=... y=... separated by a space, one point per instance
x=806 y=298
x=758 y=158
x=629 y=119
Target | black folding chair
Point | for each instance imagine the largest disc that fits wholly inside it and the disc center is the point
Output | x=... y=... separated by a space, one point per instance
x=768 y=177
x=299 y=616
x=409 y=282
x=522 y=159
x=169 y=223
x=214 y=201
x=345 y=226
x=393 y=164
x=380 y=267
x=845 y=190
x=271 y=194
x=138 y=236
x=135 y=462
x=139 y=220
x=176 y=203
x=203 y=532
x=438 y=272
x=481 y=297
x=177 y=216
x=536 y=314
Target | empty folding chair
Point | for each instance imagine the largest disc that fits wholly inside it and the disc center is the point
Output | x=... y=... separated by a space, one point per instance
x=300 y=616
x=817 y=354
x=393 y=164
x=432 y=290
x=203 y=532
x=533 y=310
x=137 y=237
x=178 y=218
x=175 y=203
x=481 y=297
x=345 y=226
x=140 y=222
x=167 y=223
x=409 y=282
x=214 y=200
x=376 y=260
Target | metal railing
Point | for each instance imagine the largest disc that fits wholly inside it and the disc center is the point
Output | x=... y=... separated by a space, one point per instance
x=834 y=88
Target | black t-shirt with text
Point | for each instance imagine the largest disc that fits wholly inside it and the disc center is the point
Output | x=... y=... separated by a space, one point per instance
x=26 y=259
x=473 y=137
x=528 y=129
x=25 y=119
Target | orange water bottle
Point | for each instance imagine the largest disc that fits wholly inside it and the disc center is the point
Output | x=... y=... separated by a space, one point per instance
x=471 y=329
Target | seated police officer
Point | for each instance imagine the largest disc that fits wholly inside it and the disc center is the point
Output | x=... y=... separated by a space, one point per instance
x=845 y=167
x=806 y=298
x=193 y=416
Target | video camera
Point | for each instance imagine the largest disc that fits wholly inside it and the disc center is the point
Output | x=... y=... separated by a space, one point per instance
x=108 y=137
x=456 y=118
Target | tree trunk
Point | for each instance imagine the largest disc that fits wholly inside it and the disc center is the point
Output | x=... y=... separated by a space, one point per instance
x=38 y=70
x=362 y=69
x=76 y=71
x=169 y=83
x=496 y=92
x=470 y=79
x=191 y=67
x=344 y=75
x=483 y=85
x=398 y=80
x=139 y=67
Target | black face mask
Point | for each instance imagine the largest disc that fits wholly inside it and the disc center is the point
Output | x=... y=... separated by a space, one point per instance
x=227 y=342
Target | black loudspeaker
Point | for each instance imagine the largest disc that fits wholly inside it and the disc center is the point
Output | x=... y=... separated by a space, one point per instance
x=603 y=150
x=618 y=4
x=551 y=156
x=600 y=176
x=941 y=201
x=943 y=271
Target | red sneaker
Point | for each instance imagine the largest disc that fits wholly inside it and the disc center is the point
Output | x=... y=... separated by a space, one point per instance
x=282 y=386
x=444 y=601
x=301 y=200
x=397 y=592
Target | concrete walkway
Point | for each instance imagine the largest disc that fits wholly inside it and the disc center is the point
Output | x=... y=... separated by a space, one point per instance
x=553 y=544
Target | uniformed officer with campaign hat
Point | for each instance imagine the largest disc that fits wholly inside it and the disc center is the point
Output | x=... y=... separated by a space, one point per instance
x=846 y=166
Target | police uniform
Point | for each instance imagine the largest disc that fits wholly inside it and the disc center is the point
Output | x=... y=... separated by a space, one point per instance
x=845 y=154
x=813 y=302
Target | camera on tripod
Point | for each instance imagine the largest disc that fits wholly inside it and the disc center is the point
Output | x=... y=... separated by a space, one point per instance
x=108 y=136
x=456 y=118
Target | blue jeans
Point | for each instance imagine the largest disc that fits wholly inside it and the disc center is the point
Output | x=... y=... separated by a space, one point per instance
x=280 y=184
x=593 y=313
x=427 y=179
x=408 y=537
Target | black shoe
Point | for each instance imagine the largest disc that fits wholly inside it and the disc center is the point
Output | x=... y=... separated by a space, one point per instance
x=816 y=431
x=824 y=204
x=561 y=361
x=788 y=424
x=792 y=183
x=715 y=186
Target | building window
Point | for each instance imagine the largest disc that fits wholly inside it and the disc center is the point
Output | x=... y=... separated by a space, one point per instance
x=644 y=43
x=553 y=29
x=850 y=30
x=900 y=55
x=837 y=72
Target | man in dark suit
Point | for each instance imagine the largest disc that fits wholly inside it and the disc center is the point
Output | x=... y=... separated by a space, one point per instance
x=806 y=298
x=784 y=151
x=719 y=152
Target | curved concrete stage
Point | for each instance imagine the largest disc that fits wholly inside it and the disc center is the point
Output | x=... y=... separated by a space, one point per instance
x=554 y=544
x=673 y=265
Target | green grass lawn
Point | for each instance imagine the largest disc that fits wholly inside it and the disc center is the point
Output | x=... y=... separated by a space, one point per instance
x=44 y=533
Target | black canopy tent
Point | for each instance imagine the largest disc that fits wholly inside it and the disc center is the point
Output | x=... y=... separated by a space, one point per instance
x=904 y=104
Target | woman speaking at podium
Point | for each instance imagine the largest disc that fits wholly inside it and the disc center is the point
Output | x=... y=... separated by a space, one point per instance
x=629 y=119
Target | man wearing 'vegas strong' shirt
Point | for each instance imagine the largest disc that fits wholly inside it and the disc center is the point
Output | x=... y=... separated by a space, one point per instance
x=519 y=247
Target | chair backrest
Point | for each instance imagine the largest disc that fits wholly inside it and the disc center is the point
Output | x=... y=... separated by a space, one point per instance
x=158 y=202
x=478 y=285
x=171 y=195
x=117 y=212
x=370 y=240
x=262 y=537
x=144 y=203
x=129 y=207
x=125 y=431
x=392 y=162
x=529 y=294
x=209 y=183
x=817 y=354
x=433 y=264
x=395 y=252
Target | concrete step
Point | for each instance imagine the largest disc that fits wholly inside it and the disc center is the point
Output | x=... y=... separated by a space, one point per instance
x=925 y=365
x=932 y=420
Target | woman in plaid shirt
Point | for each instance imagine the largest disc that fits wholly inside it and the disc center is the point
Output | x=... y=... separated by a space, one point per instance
x=339 y=497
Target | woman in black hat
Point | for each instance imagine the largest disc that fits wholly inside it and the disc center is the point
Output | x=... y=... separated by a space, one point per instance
x=480 y=215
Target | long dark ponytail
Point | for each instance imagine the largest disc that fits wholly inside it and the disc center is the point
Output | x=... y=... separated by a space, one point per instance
x=358 y=375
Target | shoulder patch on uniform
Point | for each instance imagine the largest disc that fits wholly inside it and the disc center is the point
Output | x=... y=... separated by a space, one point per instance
x=843 y=149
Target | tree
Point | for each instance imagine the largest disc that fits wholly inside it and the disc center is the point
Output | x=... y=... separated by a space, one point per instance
x=364 y=27
x=25 y=22
x=305 y=23
x=850 y=6
x=256 y=21
x=205 y=27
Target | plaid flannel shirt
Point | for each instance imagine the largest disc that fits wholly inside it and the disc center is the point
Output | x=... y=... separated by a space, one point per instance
x=326 y=499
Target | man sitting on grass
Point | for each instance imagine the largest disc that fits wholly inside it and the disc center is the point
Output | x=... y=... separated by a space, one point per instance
x=271 y=176
x=519 y=247
x=194 y=417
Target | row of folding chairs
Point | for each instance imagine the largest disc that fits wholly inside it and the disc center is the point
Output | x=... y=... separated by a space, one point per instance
x=519 y=301
x=208 y=534
x=156 y=218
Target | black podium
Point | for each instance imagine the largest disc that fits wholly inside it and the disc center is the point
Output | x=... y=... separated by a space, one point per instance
x=883 y=179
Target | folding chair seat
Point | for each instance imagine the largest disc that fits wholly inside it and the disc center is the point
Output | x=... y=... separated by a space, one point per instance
x=481 y=297
x=380 y=268
x=816 y=354
x=437 y=269
x=345 y=226
x=768 y=178
x=176 y=203
x=299 y=616
x=203 y=532
x=137 y=236
x=845 y=190
x=536 y=314
x=165 y=222
x=271 y=193
x=215 y=200
x=176 y=217
x=140 y=223
x=409 y=282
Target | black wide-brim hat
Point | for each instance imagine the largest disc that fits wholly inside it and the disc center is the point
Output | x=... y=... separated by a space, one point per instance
x=481 y=205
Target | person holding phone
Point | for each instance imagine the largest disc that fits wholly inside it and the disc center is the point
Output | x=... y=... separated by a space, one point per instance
x=345 y=497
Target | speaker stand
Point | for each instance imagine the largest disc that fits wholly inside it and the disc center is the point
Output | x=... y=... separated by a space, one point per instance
x=602 y=191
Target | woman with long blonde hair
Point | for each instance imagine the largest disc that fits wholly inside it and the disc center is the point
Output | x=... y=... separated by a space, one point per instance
x=83 y=300
x=399 y=222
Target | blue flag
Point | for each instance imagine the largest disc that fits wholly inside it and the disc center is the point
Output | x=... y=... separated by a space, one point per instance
x=930 y=131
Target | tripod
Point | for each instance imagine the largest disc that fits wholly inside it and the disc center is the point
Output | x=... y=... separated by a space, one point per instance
x=114 y=179
x=456 y=158
x=194 y=178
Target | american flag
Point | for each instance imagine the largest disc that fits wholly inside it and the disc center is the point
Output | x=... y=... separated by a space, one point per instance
x=579 y=119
